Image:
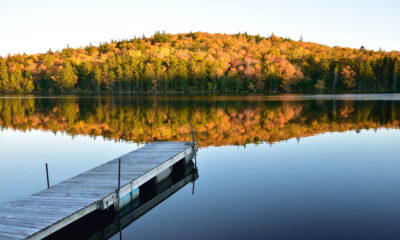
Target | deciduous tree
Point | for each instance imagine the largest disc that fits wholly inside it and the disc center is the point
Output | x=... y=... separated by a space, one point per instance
x=348 y=77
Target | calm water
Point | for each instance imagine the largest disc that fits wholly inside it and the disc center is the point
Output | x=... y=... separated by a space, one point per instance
x=291 y=167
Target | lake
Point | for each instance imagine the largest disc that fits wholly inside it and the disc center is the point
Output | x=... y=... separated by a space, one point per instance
x=269 y=167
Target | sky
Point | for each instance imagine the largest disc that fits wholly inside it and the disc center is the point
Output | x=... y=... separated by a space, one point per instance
x=36 y=26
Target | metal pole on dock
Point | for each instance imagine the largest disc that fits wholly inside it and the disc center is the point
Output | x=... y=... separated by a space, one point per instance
x=193 y=187
x=119 y=181
x=194 y=150
x=195 y=157
x=47 y=175
x=119 y=173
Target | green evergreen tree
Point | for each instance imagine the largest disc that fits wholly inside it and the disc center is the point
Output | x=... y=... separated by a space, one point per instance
x=119 y=78
x=203 y=76
x=19 y=79
x=324 y=68
x=65 y=78
x=96 y=80
x=13 y=85
x=111 y=80
x=4 y=78
x=85 y=75
x=367 y=76
x=149 y=76
x=105 y=76
x=396 y=75
x=336 y=72
x=182 y=75
x=387 y=72
x=129 y=77
x=28 y=82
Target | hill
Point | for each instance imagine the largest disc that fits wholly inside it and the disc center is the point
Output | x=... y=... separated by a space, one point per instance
x=202 y=63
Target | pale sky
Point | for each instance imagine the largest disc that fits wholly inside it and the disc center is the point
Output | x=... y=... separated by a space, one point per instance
x=36 y=26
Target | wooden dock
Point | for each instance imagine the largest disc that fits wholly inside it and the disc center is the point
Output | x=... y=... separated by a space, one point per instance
x=101 y=225
x=44 y=213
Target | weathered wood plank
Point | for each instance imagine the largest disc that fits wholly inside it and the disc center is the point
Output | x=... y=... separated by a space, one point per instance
x=17 y=230
x=11 y=236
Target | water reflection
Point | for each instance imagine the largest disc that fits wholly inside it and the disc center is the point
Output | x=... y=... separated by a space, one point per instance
x=216 y=121
x=330 y=186
x=105 y=224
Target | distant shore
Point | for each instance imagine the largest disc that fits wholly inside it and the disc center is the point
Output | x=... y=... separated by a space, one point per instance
x=202 y=63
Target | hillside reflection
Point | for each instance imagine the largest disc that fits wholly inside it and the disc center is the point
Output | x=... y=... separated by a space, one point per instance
x=215 y=123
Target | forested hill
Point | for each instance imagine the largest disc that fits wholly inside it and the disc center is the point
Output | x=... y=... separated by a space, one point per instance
x=202 y=63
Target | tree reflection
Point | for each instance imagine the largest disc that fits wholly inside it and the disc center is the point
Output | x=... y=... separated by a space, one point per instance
x=215 y=123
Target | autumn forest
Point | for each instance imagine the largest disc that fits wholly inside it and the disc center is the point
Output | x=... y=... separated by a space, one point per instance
x=202 y=63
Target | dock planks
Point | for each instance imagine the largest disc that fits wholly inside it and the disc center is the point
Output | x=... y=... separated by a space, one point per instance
x=45 y=212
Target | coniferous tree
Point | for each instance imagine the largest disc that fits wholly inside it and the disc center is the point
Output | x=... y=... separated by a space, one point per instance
x=396 y=75
x=119 y=77
x=4 y=78
x=367 y=77
x=19 y=79
x=203 y=76
x=96 y=80
x=28 y=82
x=85 y=75
x=65 y=78
x=387 y=72
x=335 y=77
x=13 y=84
x=111 y=80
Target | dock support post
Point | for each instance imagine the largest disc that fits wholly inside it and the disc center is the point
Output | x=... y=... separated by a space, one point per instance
x=119 y=182
x=47 y=175
x=193 y=187
x=119 y=173
x=194 y=149
x=195 y=158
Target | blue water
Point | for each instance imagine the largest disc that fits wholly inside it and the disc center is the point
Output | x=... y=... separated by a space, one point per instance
x=328 y=185
x=331 y=186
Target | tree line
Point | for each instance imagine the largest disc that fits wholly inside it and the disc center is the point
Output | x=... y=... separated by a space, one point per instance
x=202 y=63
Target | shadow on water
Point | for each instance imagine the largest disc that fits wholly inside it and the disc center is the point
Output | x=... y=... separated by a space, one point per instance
x=107 y=223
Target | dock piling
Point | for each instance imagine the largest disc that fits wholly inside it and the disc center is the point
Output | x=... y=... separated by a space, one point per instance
x=47 y=175
x=119 y=174
x=193 y=146
x=119 y=182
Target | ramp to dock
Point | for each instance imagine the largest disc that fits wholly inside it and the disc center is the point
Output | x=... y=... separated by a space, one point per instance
x=43 y=213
